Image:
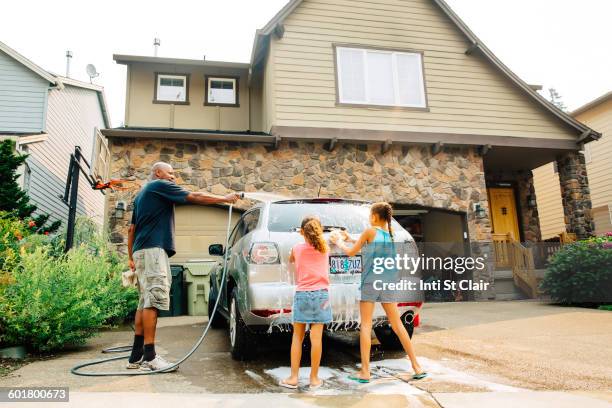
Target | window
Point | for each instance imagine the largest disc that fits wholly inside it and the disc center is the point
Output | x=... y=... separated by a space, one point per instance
x=380 y=77
x=251 y=220
x=172 y=88
x=221 y=91
x=237 y=233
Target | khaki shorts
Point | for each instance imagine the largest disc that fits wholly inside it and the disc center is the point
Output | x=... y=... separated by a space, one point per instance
x=154 y=278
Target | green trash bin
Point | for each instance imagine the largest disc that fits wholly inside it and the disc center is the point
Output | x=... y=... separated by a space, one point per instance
x=177 y=293
x=197 y=280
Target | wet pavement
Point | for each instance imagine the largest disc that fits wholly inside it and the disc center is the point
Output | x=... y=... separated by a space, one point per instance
x=471 y=351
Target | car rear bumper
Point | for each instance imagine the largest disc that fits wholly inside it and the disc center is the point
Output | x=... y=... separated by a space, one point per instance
x=270 y=305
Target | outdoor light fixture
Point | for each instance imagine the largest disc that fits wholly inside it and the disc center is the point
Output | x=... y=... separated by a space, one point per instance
x=479 y=211
x=120 y=209
x=531 y=201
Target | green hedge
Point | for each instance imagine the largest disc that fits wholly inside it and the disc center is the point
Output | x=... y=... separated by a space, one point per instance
x=581 y=273
x=50 y=301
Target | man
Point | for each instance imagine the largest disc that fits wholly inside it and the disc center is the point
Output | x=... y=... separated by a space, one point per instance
x=150 y=244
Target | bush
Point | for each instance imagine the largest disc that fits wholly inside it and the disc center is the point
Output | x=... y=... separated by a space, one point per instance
x=54 y=303
x=581 y=273
x=51 y=300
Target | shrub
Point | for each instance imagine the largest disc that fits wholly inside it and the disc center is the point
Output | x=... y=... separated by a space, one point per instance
x=581 y=273
x=12 y=231
x=55 y=303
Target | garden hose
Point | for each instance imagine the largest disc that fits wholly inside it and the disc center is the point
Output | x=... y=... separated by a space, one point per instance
x=75 y=370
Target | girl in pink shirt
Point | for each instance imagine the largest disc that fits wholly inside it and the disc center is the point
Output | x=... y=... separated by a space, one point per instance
x=311 y=300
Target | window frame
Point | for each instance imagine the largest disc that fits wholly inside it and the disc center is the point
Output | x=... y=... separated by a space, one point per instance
x=158 y=75
x=365 y=48
x=236 y=79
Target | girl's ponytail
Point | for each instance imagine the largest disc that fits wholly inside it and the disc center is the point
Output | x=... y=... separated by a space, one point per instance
x=384 y=211
x=313 y=233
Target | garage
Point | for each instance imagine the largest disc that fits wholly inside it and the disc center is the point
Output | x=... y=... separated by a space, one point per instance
x=197 y=227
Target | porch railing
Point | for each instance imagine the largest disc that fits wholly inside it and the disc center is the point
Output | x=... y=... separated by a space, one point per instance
x=524 y=270
x=501 y=249
x=527 y=263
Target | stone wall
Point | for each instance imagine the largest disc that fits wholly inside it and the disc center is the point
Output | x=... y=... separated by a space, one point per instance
x=575 y=194
x=452 y=179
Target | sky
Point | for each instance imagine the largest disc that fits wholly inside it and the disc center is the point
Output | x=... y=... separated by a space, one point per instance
x=555 y=43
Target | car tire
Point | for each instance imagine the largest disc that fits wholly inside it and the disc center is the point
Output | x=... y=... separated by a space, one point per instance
x=388 y=339
x=217 y=321
x=242 y=344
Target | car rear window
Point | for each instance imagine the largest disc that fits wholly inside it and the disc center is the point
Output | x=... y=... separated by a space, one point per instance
x=285 y=217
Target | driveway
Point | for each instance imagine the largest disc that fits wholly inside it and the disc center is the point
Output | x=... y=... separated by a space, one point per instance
x=477 y=354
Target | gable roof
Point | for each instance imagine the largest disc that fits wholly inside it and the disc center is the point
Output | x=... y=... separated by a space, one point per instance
x=59 y=81
x=27 y=63
x=586 y=133
x=594 y=103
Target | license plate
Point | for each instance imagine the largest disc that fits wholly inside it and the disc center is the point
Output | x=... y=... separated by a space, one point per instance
x=344 y=264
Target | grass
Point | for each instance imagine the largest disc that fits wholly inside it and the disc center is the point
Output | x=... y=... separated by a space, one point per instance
x=606 y=307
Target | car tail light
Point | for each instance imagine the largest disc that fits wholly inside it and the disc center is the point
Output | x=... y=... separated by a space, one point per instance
x=269 y=312
x=263 y=253
x=405 y=304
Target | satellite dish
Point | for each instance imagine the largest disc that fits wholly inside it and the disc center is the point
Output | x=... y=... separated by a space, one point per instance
x=91 y=71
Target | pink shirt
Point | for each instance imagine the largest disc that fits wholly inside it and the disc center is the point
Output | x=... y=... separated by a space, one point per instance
x=312 y=268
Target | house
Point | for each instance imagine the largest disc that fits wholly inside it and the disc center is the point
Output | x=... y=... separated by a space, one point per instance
x=597 y=155
x=394 y=100
x=48 y=115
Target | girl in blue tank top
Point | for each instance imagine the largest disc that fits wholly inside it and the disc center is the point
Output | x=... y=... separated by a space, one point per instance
x=381 y=216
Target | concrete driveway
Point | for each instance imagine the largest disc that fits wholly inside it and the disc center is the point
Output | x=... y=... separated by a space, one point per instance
x=478 y=354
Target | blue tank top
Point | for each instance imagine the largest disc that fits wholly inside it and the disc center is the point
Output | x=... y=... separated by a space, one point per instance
x=382 y=235
x=377 y=249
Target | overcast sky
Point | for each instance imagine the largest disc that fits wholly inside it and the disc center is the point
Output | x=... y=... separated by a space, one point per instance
x=556 y=43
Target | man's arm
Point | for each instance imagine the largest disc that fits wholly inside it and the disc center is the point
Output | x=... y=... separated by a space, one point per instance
x=200 y=198
x=131 y=231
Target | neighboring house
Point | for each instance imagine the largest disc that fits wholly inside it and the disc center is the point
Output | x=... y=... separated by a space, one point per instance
x=395 y=101
x=597 y=114
x=47 y=116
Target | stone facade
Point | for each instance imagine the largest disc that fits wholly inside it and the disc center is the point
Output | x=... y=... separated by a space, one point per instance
x=575 y=194
x=452 y=179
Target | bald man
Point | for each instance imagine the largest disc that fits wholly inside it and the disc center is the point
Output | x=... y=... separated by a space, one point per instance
x=150 y=245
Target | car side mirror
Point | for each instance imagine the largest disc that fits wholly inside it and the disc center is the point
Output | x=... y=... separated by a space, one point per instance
x=215 y=250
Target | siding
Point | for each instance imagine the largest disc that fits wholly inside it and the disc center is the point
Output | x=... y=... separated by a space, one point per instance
x=465 y=93
x=142 y=112
x=269 y=106
x=22 y=97
x=548 y=197
x=72 y=115
x=547 y=187
x=599 y=168
x=602 y=216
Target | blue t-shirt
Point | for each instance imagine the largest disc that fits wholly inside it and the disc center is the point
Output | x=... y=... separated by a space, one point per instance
x=153 y=215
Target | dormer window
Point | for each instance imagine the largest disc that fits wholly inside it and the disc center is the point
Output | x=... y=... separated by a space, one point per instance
x=172 y=88
x=374 y=77
x=221 y=91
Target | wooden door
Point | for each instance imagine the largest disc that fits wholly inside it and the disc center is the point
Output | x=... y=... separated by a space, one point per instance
x=503 y=212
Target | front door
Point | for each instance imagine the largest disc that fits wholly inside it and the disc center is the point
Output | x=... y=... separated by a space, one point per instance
x=503 y=211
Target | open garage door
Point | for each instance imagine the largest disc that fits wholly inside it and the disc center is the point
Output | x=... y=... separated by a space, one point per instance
x=197 y=227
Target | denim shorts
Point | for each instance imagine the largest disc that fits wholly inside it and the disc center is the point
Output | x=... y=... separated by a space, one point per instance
x=312 y=307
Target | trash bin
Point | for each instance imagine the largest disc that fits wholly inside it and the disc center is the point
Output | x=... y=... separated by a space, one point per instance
x=177 y=293
x=197 y=281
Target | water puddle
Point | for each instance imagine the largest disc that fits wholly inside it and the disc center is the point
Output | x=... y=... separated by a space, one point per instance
x=385 y=382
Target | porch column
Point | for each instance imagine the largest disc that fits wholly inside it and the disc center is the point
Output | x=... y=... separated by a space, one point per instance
x=528 y=215
x=575 y=194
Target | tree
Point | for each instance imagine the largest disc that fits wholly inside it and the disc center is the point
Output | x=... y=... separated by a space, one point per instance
x=12 y=197
x=556 y=99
